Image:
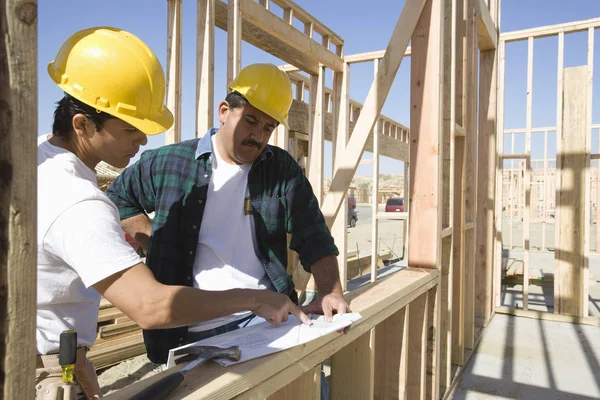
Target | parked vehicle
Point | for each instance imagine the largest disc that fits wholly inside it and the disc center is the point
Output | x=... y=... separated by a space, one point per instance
x=394 y=204
x=352 y=217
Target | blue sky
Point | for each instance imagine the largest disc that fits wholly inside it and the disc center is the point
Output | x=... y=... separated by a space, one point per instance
x=363 y=28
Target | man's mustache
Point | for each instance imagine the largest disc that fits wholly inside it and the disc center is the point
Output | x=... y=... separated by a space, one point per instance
x=253 y=143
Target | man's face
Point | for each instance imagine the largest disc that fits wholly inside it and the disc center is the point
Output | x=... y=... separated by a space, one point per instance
x=116 y=142
x=244 y=133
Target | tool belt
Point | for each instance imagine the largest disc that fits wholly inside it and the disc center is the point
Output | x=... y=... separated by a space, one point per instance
x=49 y=384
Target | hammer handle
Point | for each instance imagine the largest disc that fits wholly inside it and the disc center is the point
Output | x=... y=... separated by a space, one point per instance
x=160 y=389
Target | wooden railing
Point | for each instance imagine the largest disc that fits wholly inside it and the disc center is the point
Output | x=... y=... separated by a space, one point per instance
x=397 y=314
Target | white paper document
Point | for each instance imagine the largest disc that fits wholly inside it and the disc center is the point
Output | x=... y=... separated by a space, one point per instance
x=263 y=338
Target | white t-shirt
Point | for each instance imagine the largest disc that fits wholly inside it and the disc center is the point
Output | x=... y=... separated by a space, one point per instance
x=226 y=252
x=80 y=242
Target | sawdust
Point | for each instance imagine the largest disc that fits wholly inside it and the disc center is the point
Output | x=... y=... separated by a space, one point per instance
x=126 y=373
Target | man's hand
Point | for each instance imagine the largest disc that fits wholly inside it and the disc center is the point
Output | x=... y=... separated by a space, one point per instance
x=330 y=304
x=275 y=308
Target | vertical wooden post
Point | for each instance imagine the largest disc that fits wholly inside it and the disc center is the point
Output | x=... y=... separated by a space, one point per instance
x=353 y=369
x=417 y=348
x=527 y=180
x=340 y=129
x=18 y=192
x=174 y=40
x=375 y=203
x=485 y=192
x=570 y=258
x=316 y=129
x=458 y=222
x=205 y=68
x=499 y=177
x=587 y=171
x=558 y=166
x=391 y=366
x=234 y=39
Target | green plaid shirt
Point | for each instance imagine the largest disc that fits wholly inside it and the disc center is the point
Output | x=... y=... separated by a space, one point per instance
x=172 y=181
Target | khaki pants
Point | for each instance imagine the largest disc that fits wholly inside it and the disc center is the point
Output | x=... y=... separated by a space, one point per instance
x=49 y=384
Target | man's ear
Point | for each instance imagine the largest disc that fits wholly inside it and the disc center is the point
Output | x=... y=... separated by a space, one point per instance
x=81 y=125
x=223 y=111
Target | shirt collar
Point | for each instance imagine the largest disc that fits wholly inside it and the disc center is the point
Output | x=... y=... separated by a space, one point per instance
x=205 y=147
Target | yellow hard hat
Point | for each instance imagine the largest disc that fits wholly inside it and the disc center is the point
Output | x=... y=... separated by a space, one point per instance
x=267 y=88
x=115 y=72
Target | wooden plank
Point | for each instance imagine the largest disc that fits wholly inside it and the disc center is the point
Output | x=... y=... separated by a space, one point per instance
x=390 y=147
x=375 y=193
x=499 y=177
x=306 y=387
x=261 y=377
x=341 y=123
x=370 y=56
x=424 y=239
x=234 y=38
x=487 y=33
x=391 y=367
x=542 y=315
x=471 y=171
x=485 y=192
x=570 y=257
x=305 y=16
x=353 y=370
x=316 y=131
x=18 y=212
x=174 y=40
x=205 y=68
x=284 y=32
x=587 y=171
x=550 y=30
x=557 y=175
x=526 y=215
x=377 y=94
x=417 y=347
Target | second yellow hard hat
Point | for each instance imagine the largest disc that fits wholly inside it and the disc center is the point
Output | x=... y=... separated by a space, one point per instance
x=267 y=88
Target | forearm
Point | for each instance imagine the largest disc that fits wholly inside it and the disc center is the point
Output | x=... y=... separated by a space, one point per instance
x=183 y=306
x=327 y=275
x=140 y=228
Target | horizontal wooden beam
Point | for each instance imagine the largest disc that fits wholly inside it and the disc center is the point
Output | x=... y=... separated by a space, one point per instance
x=393 y=215
x=304 y=16
x=549 y=30
x=262 y=38
x=278 y=29
x=370 y=56
x=514 y=156
x=592 y=321
x=487 y=33
x=298 y=121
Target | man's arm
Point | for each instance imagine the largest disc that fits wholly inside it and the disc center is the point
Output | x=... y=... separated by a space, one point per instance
x=140 y=228
x=153 y=305
x=327 y=278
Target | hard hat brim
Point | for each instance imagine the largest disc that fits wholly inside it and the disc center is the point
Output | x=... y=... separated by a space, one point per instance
x=151 y=127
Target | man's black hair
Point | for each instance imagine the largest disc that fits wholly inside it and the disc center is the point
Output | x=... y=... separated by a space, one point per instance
x=67 y=108
x=235 y=100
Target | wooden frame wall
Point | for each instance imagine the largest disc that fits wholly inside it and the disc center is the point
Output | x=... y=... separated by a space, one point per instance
x=571 y=273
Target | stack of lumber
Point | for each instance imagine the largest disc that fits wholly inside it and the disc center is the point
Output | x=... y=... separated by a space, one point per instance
x=119 y=338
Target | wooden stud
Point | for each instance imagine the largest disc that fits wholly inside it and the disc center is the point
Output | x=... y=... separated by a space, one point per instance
x=558 y=163
x=174 y=41
x=234 y=38
x=288 y=16
x=341 y=118
x=306 y=387
x=570 y=260
x=550 y=30
x=353 y=369
x=587 y=171
x=316 y=128
x=265 y=3
x=375 y=194
x=18 y=190
x=417 y=346
x=391 y=364
x=205 y=68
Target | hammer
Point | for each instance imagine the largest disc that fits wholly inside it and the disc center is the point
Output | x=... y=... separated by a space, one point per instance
x=161 y=388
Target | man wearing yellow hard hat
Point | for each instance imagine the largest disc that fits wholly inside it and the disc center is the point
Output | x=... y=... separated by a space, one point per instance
x=223 y=206
x=114 y=91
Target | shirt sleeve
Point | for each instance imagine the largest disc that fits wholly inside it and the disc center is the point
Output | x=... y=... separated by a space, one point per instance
x=88 y=237
x=133 y=191
x=311 y=238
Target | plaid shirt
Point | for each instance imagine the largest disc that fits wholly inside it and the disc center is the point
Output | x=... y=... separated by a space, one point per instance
x=172 y=181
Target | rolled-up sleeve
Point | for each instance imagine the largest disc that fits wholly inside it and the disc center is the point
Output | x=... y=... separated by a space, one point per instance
x=133 y=191
x=311 y=238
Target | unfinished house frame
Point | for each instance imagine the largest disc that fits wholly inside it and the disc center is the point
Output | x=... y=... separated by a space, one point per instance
x=428 y=316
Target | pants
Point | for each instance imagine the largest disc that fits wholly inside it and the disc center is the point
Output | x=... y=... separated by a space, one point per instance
x=248 y=321
x=49 y=384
